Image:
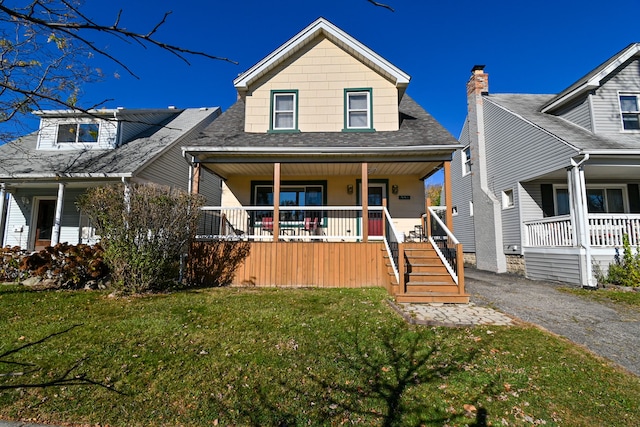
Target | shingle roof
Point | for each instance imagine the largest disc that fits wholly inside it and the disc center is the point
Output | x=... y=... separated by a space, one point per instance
x=21 y=159
x=528 y=107
x=417 y=129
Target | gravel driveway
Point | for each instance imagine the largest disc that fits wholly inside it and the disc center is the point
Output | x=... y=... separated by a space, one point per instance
x=607 y=329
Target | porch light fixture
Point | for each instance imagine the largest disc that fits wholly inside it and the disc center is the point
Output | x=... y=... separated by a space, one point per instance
x=349 y=189
x=394 y=189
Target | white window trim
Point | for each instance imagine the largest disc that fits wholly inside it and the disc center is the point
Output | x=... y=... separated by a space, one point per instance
x=77 y=124
x=293 y=110
x=465 y=161
x=637 y=95
x=508 y=202
x=356 y=110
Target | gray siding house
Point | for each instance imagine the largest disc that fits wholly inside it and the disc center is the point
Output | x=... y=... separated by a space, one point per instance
x=43 y=173
x=549 y=184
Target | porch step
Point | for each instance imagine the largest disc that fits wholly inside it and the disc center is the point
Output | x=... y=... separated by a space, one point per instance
x=427 y=297
x=431 y=287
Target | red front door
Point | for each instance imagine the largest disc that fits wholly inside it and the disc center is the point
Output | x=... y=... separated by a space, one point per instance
x=376 y=196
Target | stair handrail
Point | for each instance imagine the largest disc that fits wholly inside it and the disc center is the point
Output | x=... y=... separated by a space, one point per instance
x=450 y=236
x=394 y=236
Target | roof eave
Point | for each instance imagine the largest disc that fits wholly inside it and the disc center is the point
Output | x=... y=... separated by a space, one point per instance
x=243 y=81
x=594 y=81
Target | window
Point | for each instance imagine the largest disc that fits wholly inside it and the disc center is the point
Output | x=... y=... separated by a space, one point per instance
x=466 y=161
x=507 y=199
x=77 y=132
x=358 y=109
x=599 y=200
x=630 y=112
x=284 y=110
x=291 y=194
x=470 y=208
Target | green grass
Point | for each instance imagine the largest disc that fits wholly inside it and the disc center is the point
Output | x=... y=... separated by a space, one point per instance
x=609 y=294
x=289 y=357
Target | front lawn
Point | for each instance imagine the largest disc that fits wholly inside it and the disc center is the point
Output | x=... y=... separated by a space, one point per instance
x=288 y=357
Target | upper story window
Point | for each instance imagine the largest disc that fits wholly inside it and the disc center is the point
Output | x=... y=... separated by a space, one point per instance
x=466 y=161
x=77 y=132
x=507 y=199
x=284 y=110
x=358 y=105
x=630 y=109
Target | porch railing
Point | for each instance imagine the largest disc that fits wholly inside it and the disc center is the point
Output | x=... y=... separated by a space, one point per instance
x=445 y=243
x=300 y=223
x=552 y=231
x=605 y=230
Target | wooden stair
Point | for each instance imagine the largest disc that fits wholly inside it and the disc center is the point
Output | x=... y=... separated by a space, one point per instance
x=426 y=278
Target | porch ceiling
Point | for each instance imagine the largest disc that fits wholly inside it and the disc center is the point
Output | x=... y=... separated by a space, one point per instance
x=227 y=170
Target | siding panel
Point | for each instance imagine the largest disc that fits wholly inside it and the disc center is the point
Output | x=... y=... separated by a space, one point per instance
x=562 y=266
x=461 y=195
x=579 y=113
x=606 y=104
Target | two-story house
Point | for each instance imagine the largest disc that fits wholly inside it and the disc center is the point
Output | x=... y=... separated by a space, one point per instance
x=43 y=173
x=323 y=159
x=551 y=181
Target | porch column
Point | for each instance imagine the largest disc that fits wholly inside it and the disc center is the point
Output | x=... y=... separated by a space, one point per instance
x=55 y=234
x=448 y=200
x=276 y=201
x=194 y=178
x=583 y=241
x=3 y=196
x=364 y=198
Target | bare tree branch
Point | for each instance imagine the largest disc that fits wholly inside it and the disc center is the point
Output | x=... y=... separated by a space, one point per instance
x=386 y=6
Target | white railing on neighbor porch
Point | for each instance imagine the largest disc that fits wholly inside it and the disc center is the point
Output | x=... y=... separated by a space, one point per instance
x=605 y=230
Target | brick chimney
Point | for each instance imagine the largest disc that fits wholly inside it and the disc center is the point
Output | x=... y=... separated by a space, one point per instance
x=479 y=82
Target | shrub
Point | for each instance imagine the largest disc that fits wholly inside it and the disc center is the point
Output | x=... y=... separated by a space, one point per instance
x=144 y=230
x=214 y=263
x=625 y=271
x=69 y=266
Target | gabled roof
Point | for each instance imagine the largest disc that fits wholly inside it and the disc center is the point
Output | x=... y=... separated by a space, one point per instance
x=418 y=132
x=21 y=159
x=321 y=27
x=527 y=107
x=593 y=79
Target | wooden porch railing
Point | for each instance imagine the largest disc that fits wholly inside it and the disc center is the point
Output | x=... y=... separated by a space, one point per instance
x=605 y=230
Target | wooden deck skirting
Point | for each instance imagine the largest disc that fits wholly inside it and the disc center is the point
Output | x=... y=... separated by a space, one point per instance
x=314 y=264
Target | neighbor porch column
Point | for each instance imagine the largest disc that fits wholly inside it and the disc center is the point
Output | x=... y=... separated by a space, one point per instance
x=364 y=198
x=194 y=178
x=276 y=201
x=57 y=222
x=3 y=196
x=448 y=199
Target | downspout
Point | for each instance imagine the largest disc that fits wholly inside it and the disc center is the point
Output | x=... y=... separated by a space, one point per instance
x=582 y=219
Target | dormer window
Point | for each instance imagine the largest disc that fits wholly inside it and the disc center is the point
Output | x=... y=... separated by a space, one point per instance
x=630 y=110
x=77 y=132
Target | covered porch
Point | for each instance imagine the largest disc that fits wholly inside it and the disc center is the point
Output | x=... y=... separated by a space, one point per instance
x=341 y=220
x=586 y=217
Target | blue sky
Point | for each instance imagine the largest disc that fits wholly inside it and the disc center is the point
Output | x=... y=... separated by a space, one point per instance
x=527 y=47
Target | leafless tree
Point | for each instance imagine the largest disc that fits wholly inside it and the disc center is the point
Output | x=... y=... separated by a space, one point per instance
x=46 y=47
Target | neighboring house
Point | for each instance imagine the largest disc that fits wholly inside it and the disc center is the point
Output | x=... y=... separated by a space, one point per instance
x=551 y=180
x=323 y=135
x=43 y=173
